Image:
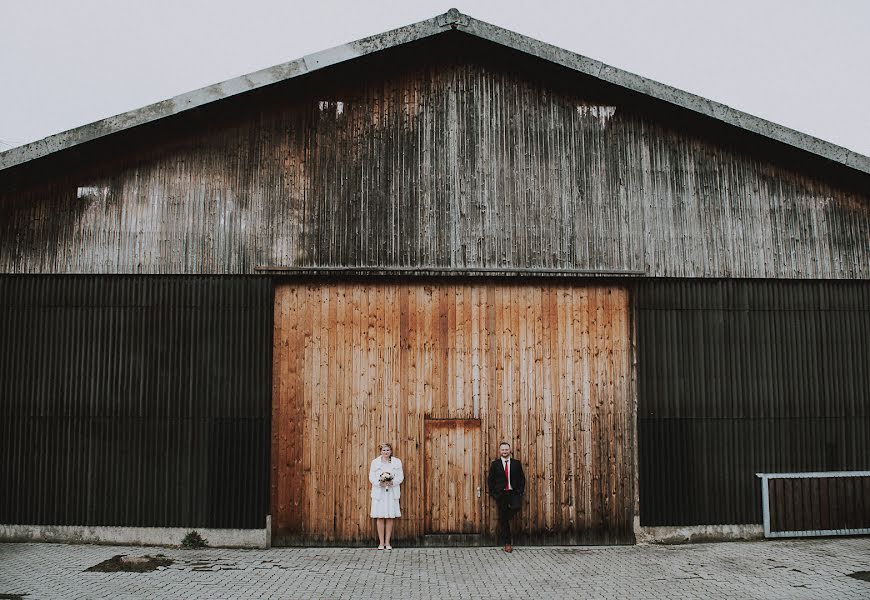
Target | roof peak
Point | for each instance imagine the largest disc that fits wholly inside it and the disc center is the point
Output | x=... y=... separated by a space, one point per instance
x=454 y=20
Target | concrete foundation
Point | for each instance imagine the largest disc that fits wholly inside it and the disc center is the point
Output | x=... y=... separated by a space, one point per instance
x=697 y=533
x=143 y=536
x=262 y=538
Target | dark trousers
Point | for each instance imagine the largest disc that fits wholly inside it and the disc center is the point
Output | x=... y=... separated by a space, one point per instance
x=506 y=509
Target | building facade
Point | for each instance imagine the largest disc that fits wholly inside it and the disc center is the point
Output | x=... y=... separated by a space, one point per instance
x=447 y=235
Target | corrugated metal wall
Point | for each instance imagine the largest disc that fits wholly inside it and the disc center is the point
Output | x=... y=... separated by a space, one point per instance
x=135 y=401
x=739 y=377
x=439 y=157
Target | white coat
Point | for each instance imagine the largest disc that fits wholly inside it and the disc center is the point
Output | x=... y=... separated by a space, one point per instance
x=385 y=502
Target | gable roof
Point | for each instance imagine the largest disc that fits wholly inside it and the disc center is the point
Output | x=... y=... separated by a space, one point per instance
x=455 y=20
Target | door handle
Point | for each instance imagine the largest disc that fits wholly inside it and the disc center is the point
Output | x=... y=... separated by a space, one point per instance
x=478 y=492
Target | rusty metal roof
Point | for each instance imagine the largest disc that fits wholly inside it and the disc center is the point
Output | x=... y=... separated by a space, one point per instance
x=455 y=20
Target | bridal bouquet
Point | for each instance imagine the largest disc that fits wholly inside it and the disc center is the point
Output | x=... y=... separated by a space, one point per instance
x=386 y=477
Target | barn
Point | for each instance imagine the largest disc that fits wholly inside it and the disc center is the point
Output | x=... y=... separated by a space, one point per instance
x=443 y=236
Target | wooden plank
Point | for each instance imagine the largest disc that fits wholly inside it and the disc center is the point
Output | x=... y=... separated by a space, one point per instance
x=837 y=512
x=379 y=386
x=491 y=401
x=814 y=520
x=293 y=441
x=565 y=415
x=319 y=419
x=430 y=493
x=455 y=344
x=408 y=409
x=614 y=311
x=304 y=388
x=594 y=434
x=338 y=408
x=864 y=506
x=279 y=497
x=477 y=356
x=359 y=449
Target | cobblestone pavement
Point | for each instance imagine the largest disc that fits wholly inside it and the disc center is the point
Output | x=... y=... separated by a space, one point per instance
x=765 y=569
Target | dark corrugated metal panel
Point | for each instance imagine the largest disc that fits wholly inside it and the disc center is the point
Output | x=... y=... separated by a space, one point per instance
x=738 y=377
x=140 y=401
x=441 y=161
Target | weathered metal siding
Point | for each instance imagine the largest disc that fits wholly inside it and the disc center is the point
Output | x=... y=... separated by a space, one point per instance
x=450 y=162
x=135 y=401
x=741 y=377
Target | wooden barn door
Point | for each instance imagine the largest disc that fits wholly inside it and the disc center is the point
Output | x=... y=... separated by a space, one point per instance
x=453 y=476
x=445 y=372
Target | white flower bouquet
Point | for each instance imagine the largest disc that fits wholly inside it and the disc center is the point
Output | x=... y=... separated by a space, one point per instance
x=387 y=478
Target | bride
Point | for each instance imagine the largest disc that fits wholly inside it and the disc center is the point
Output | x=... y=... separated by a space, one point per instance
x=386 y=476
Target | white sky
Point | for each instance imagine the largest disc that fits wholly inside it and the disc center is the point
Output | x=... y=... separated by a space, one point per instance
x=804 y=64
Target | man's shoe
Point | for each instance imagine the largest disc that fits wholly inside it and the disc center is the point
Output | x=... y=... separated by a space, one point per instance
x=508 y=548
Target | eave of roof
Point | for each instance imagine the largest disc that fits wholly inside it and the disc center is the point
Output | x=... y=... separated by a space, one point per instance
x=452 y=19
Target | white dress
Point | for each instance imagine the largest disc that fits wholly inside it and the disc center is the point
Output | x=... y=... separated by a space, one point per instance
x=385 y=501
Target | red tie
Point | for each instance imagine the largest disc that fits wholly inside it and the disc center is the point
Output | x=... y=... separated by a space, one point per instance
x=507 y=477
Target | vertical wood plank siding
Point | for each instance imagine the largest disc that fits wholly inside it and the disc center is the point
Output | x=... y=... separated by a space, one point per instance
x=545 y=367
x=444 y=163
x=135 y=401
x=819 y=504
x=741 y=377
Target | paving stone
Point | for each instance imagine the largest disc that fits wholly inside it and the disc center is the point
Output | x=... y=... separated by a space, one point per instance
x=794 y=569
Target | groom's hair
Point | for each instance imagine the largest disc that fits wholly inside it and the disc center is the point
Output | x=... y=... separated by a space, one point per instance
x=504 y=444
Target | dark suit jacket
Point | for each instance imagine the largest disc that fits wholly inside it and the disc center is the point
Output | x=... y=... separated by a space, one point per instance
x=495 y=481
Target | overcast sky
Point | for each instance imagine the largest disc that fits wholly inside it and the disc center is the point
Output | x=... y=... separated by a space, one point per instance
x=804 y=64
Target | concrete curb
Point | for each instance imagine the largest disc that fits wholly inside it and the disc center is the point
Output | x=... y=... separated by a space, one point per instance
x=698 y=533
x=141 y=536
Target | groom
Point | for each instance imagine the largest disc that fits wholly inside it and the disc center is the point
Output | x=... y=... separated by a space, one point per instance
x=506 y=484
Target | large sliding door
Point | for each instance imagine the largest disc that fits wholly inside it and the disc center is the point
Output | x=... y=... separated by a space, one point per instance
x=445 y=372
